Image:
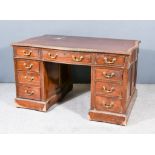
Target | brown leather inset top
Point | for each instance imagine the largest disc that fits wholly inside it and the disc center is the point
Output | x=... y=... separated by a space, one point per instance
x=87 y=44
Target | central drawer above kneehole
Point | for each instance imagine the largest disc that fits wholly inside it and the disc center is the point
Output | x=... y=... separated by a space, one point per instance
x=66 y=56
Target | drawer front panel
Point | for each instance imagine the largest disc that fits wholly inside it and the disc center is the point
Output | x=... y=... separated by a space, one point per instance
x=28 y=65
x=28 y=78
x=108 y=74
x=110 y=59
x=108 y=104
x=67 y=57
x=27 y=52
x=108 y=89
x=28 y=92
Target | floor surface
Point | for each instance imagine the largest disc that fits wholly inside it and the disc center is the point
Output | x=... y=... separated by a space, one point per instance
x=70 y=116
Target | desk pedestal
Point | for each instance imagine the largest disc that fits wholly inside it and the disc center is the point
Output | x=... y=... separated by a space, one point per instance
x=55 y=82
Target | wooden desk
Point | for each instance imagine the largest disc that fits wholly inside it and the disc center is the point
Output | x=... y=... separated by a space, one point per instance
x=42 y=73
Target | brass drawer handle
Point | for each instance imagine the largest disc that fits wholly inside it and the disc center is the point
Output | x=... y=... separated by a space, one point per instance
x=28 y=67
x=77 y=59
x=108 y=90
x=29 y=79
x=109 y=105
x=27 y=52
x=29 y=93
x=109 y=61
x=51 y=56
x=108 y=75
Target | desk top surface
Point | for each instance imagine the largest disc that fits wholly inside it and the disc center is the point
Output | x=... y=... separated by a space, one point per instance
x=87 y=44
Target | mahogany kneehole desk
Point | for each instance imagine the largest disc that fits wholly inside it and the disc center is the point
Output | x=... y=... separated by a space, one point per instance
x=43 y=77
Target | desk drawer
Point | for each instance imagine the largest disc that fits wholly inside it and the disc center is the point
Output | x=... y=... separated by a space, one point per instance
x=108 y=74
x=66 y=56
x=28 y=78
x=26 y=52
x=28 y=92
x=108 y=104
x=108 y=89
x=27 y=65
x=110 y=59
